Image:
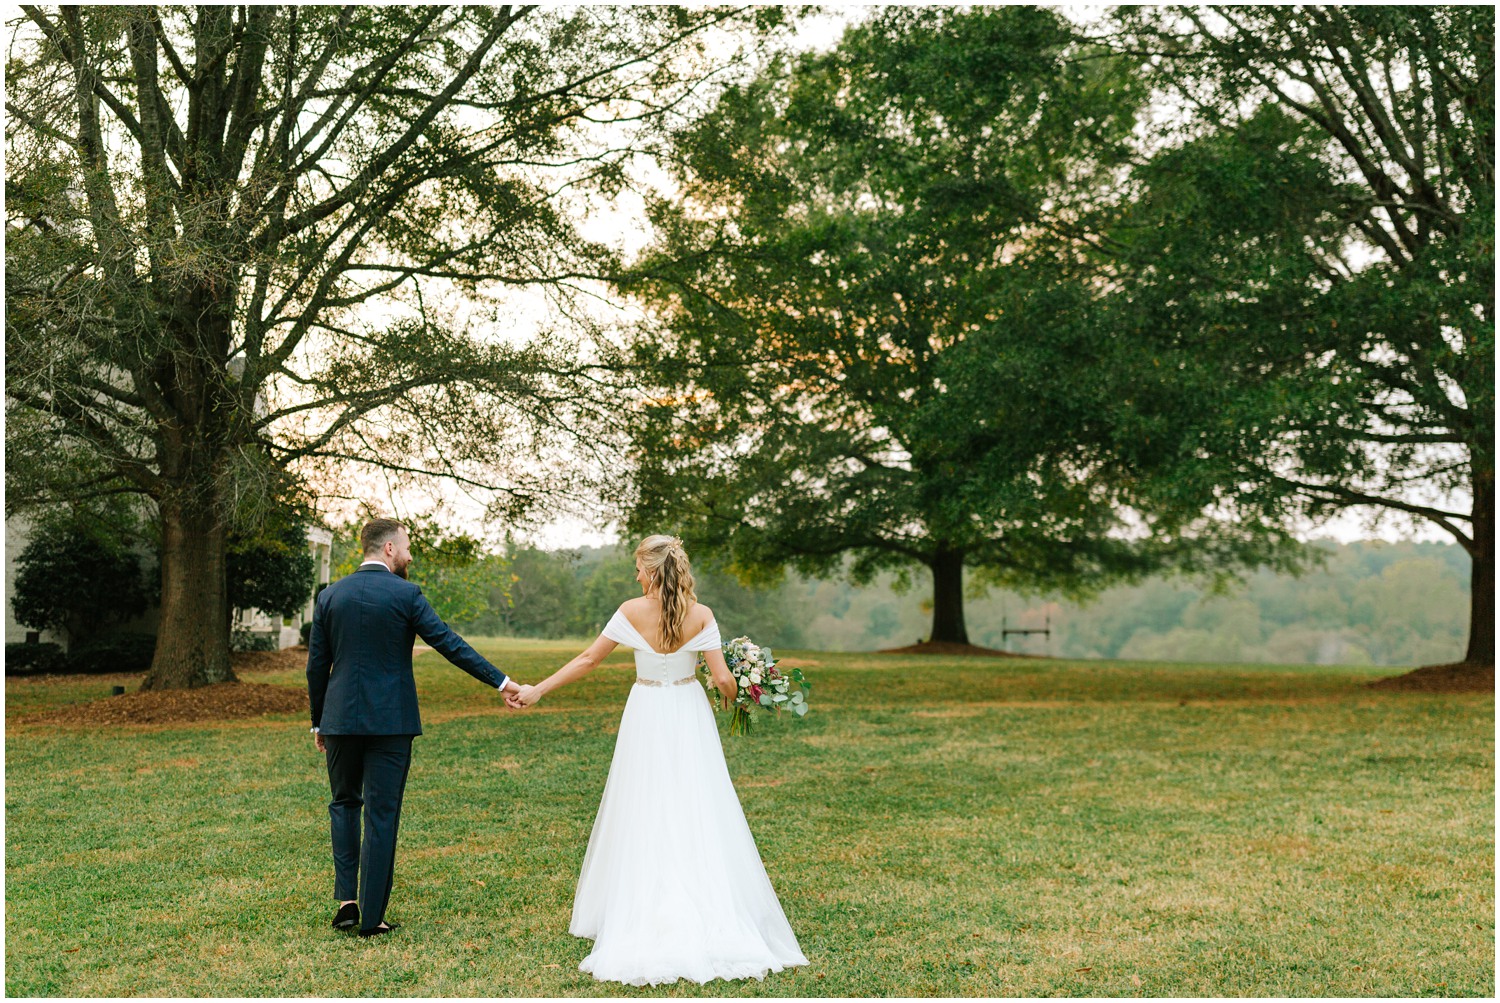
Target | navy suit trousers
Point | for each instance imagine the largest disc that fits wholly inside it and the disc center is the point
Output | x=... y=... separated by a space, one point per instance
x=366 y=772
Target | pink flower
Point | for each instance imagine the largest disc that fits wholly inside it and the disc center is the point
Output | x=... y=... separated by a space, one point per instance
x=755 y=692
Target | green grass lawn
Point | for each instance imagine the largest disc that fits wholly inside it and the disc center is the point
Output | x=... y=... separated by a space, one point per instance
x=935 y=827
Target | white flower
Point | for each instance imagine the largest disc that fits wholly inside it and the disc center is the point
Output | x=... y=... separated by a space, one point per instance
x=755 y=676
x=744 y=683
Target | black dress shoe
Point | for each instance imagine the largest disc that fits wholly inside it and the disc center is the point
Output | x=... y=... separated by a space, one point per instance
x=378 y=930
x=347 y=918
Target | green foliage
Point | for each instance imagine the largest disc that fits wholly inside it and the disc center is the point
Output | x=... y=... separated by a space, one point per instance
x=123 y=652
x=245 y=639
x=543 y=593
x=1309 y=257
x=1367 y=603
x=80 y=572
x=468 y=586
x=423 y=158
x=572 y=593
x=283 y=236
x=345 y=555
x=876 y=307
x=27 y=659
x=460 y=580
x=273 y=569
x=1362 y=603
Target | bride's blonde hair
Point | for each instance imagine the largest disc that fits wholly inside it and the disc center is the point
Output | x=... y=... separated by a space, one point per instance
x=666 y=565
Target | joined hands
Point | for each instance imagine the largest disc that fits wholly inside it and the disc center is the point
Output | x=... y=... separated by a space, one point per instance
x=522 y=698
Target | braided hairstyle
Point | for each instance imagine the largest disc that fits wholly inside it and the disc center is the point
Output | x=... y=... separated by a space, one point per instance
x=666 y=565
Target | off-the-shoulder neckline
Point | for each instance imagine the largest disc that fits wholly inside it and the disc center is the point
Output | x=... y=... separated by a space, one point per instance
x=642 y=637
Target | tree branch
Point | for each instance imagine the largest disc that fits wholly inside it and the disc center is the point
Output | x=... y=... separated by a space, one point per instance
x=1347 y=497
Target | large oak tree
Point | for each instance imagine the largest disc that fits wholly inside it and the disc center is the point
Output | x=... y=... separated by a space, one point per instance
x=1314 y=245
x=877 y=326
x=236 y=235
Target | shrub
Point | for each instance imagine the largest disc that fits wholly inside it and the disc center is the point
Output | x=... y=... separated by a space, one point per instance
x=31 y=659
x=306 y=633
x=241 y=639
x=272 y=570
x=79 y=577
x=126 y=652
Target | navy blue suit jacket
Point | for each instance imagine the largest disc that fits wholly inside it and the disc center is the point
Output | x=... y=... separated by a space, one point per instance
x=359 y=676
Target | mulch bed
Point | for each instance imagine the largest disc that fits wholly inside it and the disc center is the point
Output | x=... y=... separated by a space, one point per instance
x=221 y=702
x=1454 y=677
x=269 y=661
x=951 y=648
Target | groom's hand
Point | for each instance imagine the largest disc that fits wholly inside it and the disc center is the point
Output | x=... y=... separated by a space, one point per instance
x=318 y=742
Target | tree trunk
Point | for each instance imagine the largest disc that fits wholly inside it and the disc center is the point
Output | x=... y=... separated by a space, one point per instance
x=1482 y=578
x=948 y=597
x=192 y=643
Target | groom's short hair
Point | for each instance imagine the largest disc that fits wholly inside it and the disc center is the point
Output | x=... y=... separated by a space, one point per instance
x=377 y=532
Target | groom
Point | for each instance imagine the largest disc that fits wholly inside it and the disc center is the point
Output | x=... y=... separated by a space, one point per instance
x=364 y=711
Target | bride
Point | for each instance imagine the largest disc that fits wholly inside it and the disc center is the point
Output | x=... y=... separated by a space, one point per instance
x=672 y=885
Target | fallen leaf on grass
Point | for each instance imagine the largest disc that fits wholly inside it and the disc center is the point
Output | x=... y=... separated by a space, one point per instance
x=1090 y=968
x=1135 y=980
x=72 y=950
x=552 y=966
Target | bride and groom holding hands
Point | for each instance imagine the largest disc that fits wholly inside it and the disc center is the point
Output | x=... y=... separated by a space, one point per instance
x=672 y=886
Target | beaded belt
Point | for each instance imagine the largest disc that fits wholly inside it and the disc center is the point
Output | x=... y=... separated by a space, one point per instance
x=662 y=682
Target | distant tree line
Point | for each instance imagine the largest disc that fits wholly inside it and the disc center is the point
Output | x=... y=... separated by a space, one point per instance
x=521 y=591
x=1366 y=603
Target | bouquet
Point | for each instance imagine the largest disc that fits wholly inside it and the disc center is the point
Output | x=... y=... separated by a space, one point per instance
x=761 y=684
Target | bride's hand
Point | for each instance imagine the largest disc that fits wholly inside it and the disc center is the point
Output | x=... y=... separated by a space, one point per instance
x=528 y=696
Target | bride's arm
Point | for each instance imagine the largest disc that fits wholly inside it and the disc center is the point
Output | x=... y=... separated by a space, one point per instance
x=718 y=670
x=579 y=667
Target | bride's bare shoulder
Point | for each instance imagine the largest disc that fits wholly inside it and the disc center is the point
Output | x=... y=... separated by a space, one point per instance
x=640 y=610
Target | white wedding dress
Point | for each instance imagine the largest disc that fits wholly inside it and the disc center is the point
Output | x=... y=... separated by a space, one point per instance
x=672 y=885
